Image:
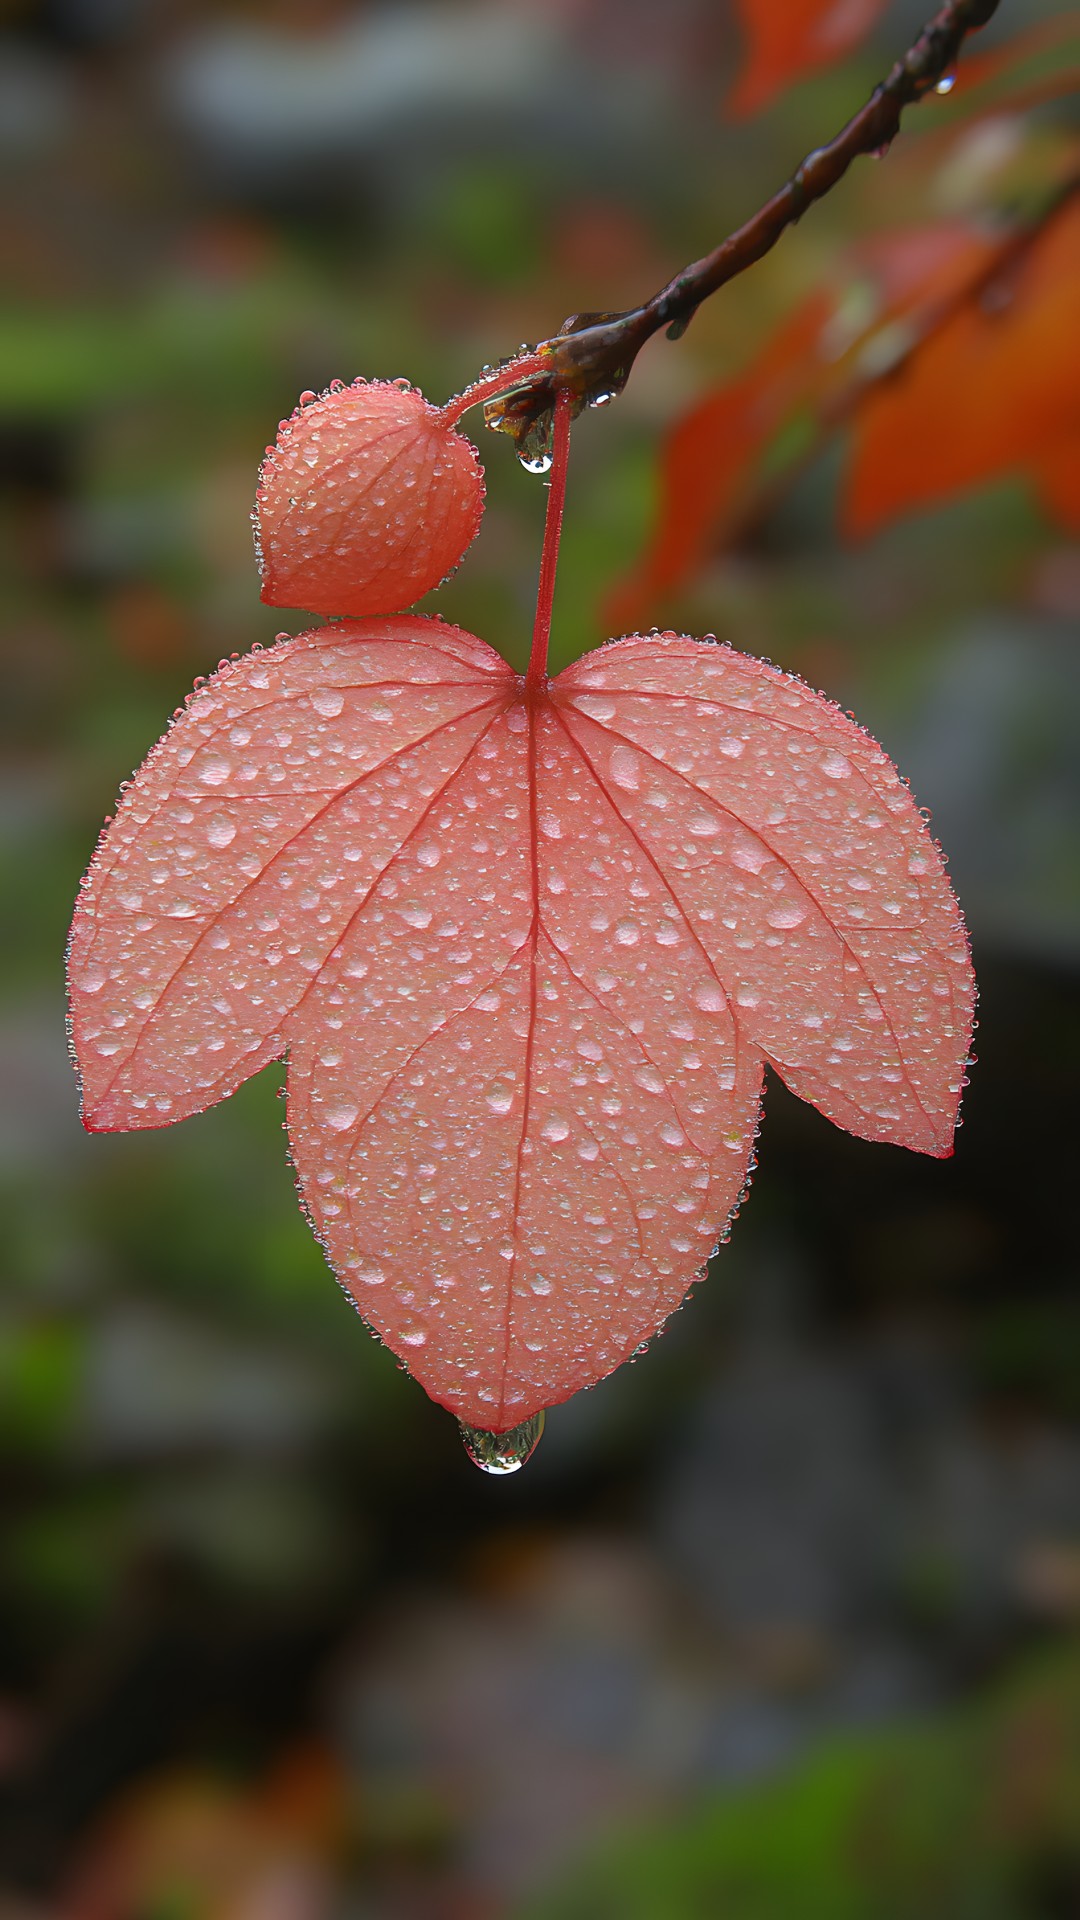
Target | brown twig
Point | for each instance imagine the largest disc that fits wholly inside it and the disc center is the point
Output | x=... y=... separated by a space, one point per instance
x=593 y=353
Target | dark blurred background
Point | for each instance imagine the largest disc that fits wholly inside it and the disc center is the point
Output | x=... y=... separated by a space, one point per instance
x=781 y=1620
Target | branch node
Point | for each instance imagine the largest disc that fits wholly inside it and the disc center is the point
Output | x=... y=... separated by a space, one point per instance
x=591 y=357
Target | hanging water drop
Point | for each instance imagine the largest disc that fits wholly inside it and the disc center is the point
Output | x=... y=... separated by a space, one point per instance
x=536 y=444
x=502 y=1452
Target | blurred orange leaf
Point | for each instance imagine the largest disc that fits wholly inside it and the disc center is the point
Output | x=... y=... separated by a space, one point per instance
x=1031 y=60
x=230 y=1850
x=711 y=464
x=707 y=459
x=786 y=39
x=996 y=390
x=1057 y=476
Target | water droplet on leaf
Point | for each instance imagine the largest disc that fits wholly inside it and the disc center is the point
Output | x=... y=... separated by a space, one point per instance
x=502 y=1452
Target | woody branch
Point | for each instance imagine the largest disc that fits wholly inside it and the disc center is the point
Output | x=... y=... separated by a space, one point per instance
x=593 y=354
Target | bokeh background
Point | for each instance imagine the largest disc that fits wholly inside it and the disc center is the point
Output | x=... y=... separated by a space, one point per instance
x=784 y=1619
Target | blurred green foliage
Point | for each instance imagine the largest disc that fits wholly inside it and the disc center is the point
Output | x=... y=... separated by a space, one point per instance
x=969 y=1817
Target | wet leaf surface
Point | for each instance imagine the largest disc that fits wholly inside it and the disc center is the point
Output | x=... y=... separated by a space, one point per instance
x=528 y=960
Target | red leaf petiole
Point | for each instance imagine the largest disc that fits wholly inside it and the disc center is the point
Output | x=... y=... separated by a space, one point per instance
x=536 y=676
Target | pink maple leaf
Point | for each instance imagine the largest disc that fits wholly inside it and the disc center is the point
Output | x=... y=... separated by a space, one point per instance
x=527 y=946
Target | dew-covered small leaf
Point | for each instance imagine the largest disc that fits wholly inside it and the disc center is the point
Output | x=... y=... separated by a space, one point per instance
x=366 y=501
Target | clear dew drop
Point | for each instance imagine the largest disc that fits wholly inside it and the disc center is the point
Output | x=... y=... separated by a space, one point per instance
x=597 y=706
x=789 y=913
x=532 y=463
x=535 y=446
x=502 y=1452
x=215 y=770
x=220 y=830
x=366 y=1273
x=709 y=998
x=624 y=767
x=836 y=765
